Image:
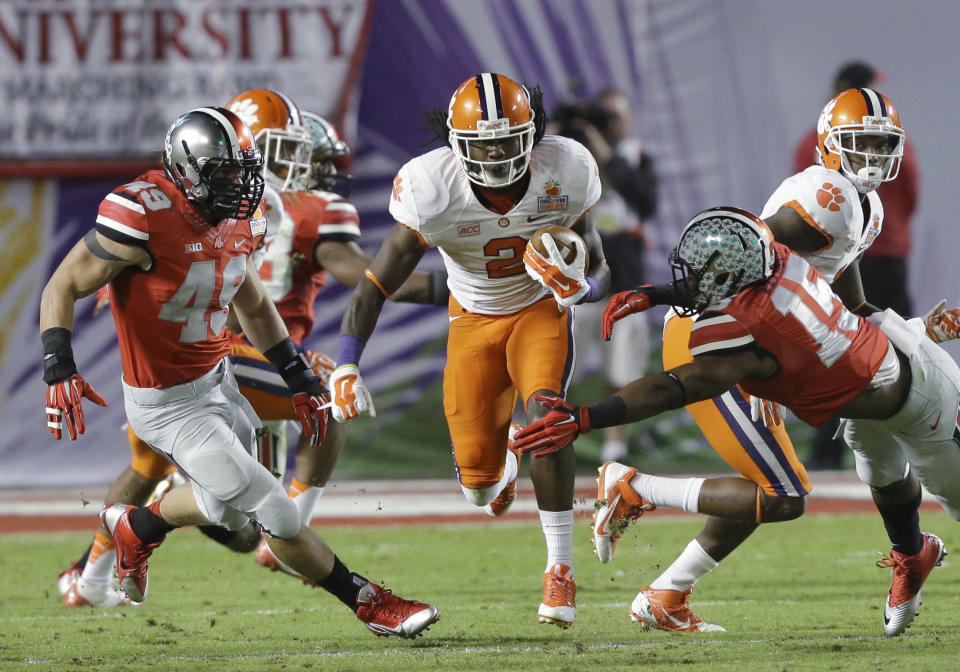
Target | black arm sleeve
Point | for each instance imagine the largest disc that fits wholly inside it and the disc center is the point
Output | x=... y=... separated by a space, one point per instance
x=636 y=185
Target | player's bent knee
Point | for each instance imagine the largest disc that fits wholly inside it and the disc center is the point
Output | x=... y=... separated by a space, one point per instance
x=279 y=517
x=780 y=509
x=479 y=496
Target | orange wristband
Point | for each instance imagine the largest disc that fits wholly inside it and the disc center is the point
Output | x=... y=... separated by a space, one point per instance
x=367 y=272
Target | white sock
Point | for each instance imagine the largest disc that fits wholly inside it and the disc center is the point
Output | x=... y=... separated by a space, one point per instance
x=679 y=493
x=686 y=570
x=306 y=502
x=100 y=571
x=558 y=531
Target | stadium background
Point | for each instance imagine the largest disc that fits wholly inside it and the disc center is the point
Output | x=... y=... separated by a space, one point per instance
x=723 y=91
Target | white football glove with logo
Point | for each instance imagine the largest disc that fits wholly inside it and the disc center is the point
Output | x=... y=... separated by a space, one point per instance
x=941 y=324
x=351 y=397
x=567 y=282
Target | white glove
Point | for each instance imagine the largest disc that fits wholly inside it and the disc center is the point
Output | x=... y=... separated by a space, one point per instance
x=351 y=397
x=942 y=325
x=567 y=282
x=770 y=411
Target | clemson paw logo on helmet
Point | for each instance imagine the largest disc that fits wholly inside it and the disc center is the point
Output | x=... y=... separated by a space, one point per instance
x=826 y=117
x=246 y=109
x=829 y=197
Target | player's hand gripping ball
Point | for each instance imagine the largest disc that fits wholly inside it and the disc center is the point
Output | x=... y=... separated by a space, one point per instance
x=557 y=258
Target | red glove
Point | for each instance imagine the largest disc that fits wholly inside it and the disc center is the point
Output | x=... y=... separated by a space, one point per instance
x=312 y=412
x=623 y=304
x=558 y=428
x=63 y=402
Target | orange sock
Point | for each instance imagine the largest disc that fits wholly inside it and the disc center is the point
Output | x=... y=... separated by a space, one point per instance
x=101 y=544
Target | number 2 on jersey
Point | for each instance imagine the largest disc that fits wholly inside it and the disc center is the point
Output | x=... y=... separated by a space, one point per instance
x=193 y=299
x=504 y=267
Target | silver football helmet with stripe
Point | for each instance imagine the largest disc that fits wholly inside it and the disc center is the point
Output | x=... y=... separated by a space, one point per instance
x=721 y=251
x=327 y=147
x=210 y=154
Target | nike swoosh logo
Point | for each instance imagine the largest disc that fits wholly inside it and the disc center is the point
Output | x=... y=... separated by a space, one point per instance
x=683 y=625
x=611 y=506
x=237 y=243
x=535 y=218
x=937 y=423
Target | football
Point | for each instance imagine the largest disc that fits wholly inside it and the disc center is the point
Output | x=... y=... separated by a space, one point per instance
x=563 y=236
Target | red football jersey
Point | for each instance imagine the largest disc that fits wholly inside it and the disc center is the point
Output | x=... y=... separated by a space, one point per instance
x=289 y=272
x=170 y=319
x=827 y=354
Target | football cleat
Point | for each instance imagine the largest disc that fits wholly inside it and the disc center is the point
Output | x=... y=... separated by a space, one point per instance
x=67 y=579
x=84 y=594
x=132 y=553
x=266 y=558
x=502 y=501
x=909 y=573
x=389 y=615
x=559 y=606
x=617 y=504
x=668 y=610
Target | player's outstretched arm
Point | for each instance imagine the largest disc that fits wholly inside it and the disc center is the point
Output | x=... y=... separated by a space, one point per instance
x=703 y=378
x=346 y=262
x=91 y=264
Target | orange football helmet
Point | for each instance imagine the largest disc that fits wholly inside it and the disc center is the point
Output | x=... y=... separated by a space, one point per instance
x=859 y=135
x=491 y=129
x=278 y=127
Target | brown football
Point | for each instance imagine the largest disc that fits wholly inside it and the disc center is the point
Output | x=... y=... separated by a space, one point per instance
x=563 y=237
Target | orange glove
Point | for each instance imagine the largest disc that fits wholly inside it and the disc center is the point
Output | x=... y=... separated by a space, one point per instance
x=351 y=397
x=566 y=281
x=63 y=402
x=322 y=365
x=942 y=325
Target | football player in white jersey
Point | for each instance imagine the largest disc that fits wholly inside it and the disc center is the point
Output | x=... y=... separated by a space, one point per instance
x=479 y=200
x=829 y=214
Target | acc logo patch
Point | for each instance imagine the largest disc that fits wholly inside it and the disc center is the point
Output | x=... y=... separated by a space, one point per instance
x=465 y=230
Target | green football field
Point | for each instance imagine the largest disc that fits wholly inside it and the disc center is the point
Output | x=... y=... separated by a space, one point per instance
x=804 y=595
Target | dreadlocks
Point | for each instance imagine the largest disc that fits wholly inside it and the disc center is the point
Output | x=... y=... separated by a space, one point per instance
x=436 y=120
